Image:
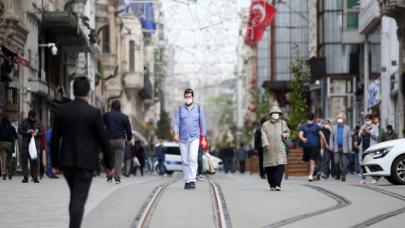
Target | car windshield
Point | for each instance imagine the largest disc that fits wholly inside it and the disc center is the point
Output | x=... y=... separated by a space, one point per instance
x=173 y=150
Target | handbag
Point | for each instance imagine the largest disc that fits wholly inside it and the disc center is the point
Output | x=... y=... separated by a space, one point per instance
x=287 y=150
x=32 y=148
x=136 y=162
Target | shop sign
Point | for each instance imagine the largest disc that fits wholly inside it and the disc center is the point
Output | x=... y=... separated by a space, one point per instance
x=374 y=93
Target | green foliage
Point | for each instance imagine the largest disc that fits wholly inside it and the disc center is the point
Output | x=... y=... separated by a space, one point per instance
x=296 y=113
x=163 y=126
x=262 y=101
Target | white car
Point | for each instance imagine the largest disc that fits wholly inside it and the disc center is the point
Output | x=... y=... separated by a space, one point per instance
x=173 y=161
x=386 y=159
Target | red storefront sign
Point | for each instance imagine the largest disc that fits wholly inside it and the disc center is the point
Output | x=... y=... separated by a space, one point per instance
x=23 y=61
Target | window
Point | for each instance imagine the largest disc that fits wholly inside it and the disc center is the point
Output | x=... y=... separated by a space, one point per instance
x=352 y=20
x=351 y=3
x=106 y=40
x=131 y=56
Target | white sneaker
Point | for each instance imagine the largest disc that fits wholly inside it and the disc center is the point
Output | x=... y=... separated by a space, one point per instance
x=278 y=189
x=200 y=178
x=272 y=189
x=310 y=178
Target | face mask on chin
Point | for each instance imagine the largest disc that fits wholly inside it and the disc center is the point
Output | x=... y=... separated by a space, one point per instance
x=188 y=102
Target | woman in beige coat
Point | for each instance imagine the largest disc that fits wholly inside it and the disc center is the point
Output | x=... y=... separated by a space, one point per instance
x=274 y=152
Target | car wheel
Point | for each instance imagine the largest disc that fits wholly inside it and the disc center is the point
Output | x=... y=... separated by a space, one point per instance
x=169 y=172
x=398 y=170
x=391 y=180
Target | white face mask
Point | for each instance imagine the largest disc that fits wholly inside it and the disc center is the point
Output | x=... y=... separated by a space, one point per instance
x=340 y=121
x=310 y=122
x=368 y=122
x=319 y=124
x=275 y=116
x=188 y=101
x=327 y=127
x=352 y=133
x=378 y=124
x=389 y=132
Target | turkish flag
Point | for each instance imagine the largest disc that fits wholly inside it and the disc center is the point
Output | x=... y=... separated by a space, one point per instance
x=261 y=15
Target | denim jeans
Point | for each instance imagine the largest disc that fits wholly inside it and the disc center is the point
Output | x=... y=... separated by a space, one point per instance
x=350 y=165
x=162 y=166
x=357 y=162
x=49 y=161
x=229 y=164
x=151 y=164
x=329 y=162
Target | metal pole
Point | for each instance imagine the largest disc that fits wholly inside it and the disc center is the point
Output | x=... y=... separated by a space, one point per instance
x=366 y=75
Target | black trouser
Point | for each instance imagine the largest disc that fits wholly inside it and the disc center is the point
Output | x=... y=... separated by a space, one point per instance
x=199 y=160
x=41 y=163
x=242 y=166
x=260 y=153
x=34 y=164
x=79 y=181
x=142 y=162
x=275 y=175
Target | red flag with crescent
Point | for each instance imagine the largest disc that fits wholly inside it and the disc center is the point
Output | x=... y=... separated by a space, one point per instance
x=261 y=15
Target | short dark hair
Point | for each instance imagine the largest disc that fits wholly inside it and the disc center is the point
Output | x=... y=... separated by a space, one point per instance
x=328 y=120
x=263 y=120
x=310 y=116
x=389 y=126
x=116 y=105
x=81 y=86
x=189 y=91
x=32 y=113
x=5 y=120
x=368 y=116
x=242 y=144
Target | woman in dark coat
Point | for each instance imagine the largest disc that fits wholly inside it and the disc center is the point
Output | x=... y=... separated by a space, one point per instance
x=139 y=153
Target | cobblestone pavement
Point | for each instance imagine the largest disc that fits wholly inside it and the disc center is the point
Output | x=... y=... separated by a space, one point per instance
x=248 y=202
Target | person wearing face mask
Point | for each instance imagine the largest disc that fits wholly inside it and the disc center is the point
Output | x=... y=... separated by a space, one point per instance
x=390 y=135
x=274 y=151
x=381 y=132
x=352 y=156
x=328 y=155
x=186 y=127
x=341 y=145
x=308 y=134
x=368 y=136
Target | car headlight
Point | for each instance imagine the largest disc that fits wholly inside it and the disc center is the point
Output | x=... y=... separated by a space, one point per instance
x=380 y=153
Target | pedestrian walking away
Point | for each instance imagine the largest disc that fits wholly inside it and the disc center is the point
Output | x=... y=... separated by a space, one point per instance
x=368 y=136
x=160 y=156
x=8 y=135
x=308 y=134
x=259 y=147
x=274 y=131
x=128 y=156
x=351 y=166
x=341 y=145
x=42 y=143
x=49 y=173
x=320 y=161
x=328 y=155
x=30 y=128
x=118 y=127
x=229 y=154
x=201 y=151
x=241 y=155
x=139 y=153
x=151 y=155
x=186 y=131
x=81 y=127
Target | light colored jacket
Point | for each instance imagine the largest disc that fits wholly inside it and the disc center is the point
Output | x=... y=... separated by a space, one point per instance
x=271 y=136
x=346 y=142
x=373 y=138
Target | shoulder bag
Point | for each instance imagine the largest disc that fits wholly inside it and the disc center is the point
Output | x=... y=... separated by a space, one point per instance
x=287 y=150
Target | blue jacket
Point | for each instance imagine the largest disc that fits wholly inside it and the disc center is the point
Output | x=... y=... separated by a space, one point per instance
x=160 y=152
x=117 y=125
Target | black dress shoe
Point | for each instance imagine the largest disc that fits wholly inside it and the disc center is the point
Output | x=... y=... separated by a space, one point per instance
x=25 y=180
x=55 y=177
x=10 y=177
x=343 y=179
x=4 y=176
x=36 y=180
x=192 y=184
x=187 y=186
x=337 y=178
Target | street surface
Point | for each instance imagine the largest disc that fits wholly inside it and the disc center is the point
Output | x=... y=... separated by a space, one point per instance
x=247 y=202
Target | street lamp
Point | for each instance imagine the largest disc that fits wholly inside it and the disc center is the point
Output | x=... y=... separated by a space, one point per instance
x=54 y=49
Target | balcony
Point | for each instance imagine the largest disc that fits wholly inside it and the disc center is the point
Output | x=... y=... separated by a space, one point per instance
x=369 y=17
x=110 y=64
x=394 y=9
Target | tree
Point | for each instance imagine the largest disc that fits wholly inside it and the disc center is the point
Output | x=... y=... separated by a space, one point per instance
x=262 y=101
x=298 y=103
x=163 y=126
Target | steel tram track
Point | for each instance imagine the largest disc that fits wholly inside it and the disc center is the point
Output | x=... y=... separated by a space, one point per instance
x=341 y=202
x=381 y=217
x=145 y=214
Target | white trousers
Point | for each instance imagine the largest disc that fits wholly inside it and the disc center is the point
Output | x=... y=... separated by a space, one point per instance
x=189 y=155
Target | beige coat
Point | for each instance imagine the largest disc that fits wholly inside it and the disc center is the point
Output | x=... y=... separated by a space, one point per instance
x=271 y=136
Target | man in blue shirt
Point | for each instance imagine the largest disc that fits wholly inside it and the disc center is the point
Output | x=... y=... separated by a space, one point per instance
x=308 y=134
x=118 y=126
x=160 y=156
x=341 y=144
x=186 y=131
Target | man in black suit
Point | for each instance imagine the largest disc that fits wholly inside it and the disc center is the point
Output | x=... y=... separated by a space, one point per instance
x=81 y=129
x=259 y=148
